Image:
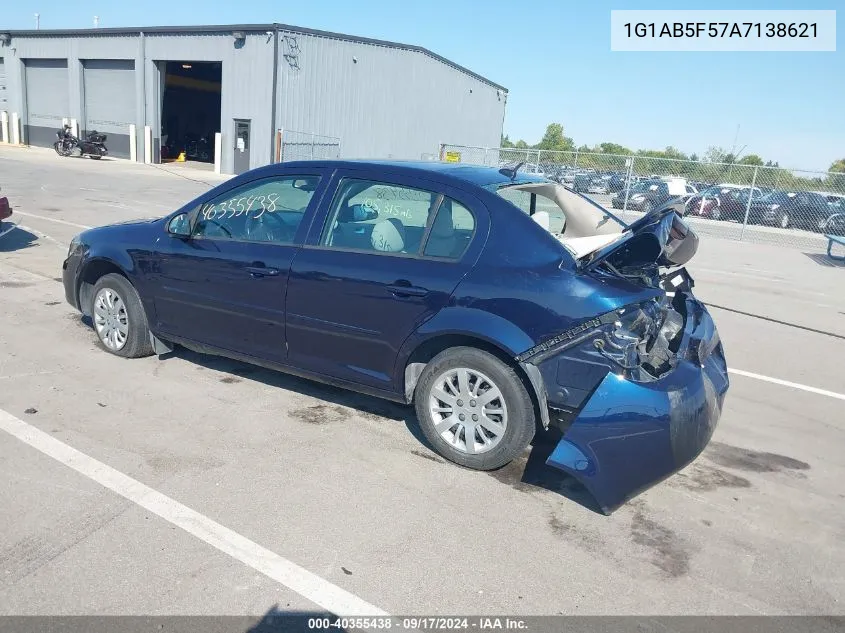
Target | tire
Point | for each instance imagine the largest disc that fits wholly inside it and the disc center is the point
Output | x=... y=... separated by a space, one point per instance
x=127 y=310
x=95 y=157
x=783 y=220
x=485 y=373
x=716 y=214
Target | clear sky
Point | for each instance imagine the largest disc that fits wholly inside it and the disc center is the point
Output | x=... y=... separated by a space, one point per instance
x=554 y=57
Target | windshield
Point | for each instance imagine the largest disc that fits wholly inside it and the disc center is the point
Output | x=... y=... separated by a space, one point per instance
x=778 y=197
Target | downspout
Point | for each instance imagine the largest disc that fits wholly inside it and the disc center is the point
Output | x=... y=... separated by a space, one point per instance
x=275 y=83
x=142 y=46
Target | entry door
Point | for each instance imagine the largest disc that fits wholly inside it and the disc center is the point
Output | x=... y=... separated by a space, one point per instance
x=241 y=145
x=365 y=282
x=225 y=285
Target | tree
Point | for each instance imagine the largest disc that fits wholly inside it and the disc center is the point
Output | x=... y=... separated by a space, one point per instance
x=506 y=142
x=693 y=157
x=613 y=148
x=838 y=166
x=715 y=155
x=520 y=144
x=751 y=159
x=554 y=140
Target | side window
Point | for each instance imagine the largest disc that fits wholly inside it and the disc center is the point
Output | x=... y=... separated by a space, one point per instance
x=378 y=217
x=451 y=231
x=368 y=215
x=268 y=210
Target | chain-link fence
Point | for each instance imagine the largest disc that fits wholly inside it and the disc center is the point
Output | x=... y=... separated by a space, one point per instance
x=296 y=145
x=736 y=201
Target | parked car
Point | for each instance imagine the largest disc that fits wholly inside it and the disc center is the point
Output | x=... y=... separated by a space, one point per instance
x=5 y=208
x=655 y=194
x=801 y=209
x=421 y=283
x=723 y=202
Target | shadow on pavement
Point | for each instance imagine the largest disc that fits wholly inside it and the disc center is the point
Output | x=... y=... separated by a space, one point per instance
x=277 y=620
x=822 y=259
x=525 y=473
x=16 y=239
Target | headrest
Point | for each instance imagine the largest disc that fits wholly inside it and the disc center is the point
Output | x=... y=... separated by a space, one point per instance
x=388 y=236
x=543 y=219
x=443 y=224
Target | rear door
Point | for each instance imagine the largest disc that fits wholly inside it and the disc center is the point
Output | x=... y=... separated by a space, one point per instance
x=382 y=258
x=225 y=285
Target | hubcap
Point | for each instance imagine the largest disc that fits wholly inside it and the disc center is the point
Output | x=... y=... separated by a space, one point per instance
x=784 y=221
x=468 y=410
x=110 y=319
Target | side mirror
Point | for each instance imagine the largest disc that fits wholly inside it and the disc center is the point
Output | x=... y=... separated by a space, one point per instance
x=180 y=226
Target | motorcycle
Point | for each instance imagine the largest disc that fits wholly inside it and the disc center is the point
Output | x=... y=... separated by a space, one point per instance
x=93 y=145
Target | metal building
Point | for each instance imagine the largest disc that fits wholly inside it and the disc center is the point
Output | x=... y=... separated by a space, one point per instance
x=272 y=92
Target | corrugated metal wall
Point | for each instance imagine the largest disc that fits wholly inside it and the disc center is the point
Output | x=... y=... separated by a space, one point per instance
x=110 y=102
x=4 y=101
x=47 y=98
x=382 y=101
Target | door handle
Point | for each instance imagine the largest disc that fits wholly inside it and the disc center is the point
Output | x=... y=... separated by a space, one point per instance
x=262 y=271
x=402 y=290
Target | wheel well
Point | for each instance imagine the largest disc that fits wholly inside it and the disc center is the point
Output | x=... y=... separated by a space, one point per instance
x=420 y=357
x=90 y=274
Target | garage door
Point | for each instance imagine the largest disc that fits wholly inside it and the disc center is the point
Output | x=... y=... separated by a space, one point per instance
x=109 y=89
x=47 y=101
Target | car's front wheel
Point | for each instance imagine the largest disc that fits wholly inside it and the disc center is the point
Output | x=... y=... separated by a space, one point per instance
x=474 y=409
x=119 y=318
x=783 y=220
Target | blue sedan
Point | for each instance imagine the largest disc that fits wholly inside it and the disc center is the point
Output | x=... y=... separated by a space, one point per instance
x=499 y=303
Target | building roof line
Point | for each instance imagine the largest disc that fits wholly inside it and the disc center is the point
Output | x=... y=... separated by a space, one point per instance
x=249 y=28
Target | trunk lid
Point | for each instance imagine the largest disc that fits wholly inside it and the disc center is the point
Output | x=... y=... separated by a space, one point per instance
x=660 y=239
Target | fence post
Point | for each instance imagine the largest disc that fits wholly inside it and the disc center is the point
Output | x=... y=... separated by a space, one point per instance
x=486 y=149
x=628 y=184
x=539 y=151
x=748 y=206
x=4 y=126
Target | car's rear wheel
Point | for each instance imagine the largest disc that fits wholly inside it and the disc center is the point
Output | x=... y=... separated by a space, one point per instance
x=119 y=318
x=474 y=409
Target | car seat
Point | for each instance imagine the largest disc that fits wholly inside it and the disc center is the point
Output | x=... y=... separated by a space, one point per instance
x=388 y=236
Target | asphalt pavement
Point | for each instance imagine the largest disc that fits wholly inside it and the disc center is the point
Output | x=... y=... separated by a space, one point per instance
x=206 y=486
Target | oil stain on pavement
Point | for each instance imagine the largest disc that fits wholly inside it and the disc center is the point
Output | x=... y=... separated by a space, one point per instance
x=703 y=478
x=320 y=414
x=669 y=552
x=751 y=461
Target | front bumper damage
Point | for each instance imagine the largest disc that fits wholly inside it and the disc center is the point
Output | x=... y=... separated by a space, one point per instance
x=623 y=434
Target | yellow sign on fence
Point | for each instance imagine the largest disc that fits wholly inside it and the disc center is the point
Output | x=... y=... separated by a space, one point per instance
x=453 y=157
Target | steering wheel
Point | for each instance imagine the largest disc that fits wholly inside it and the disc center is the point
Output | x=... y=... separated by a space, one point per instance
x=269 y=227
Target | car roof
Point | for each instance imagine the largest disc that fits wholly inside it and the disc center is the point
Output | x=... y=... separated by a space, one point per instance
x=459 y=173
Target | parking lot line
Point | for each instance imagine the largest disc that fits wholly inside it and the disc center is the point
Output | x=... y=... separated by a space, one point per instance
x=56 y=220
x=316 y=589
x=11 y=228
x=786 y=383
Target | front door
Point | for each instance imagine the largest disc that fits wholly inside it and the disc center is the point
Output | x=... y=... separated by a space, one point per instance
x=241 y=145
x=386 y=259
x=225 y=285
